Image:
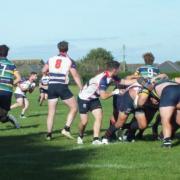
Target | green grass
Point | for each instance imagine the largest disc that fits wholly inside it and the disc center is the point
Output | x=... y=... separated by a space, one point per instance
x=25 y=154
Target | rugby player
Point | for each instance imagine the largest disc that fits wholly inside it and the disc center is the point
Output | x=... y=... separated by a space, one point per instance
x=168 y=94
x=127 y=105
x=9 y=76
x=43 y=87
x=59 y=67
x=148 y=71
x=88 y=99
x=23 y=87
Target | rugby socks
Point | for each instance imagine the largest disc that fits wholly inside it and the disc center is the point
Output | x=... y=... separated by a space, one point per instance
x=81 y=136
x=134 y=125
x=22 y=115
x=110 y=131
x=95 y=138
x=49 y=136
x=167 y=142
x=67 y=128
x=126 y=126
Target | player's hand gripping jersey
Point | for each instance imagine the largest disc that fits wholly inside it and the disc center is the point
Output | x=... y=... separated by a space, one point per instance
x=92 y=88
x=59 y=67
x=147 y=71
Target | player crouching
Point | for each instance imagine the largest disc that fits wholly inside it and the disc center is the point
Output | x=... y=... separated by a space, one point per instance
x=126 y=106
x=168 y=93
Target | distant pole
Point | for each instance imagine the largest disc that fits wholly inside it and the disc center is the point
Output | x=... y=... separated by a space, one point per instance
x=124 y=57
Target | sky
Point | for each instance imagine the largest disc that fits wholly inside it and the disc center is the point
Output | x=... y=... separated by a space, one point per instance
x=32 y=28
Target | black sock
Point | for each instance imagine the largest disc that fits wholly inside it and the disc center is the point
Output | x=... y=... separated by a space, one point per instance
x=95 y=138
x=126 y=126
x=49 y=134
x=67 y=128
x=110 y=131
x=134 y=125
x=81 y=136
x=168 y=139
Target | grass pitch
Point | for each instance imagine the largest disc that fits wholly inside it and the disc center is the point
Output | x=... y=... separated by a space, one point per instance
x=25 y=154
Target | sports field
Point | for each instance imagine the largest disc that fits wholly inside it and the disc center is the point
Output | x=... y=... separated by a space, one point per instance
x=25 y=154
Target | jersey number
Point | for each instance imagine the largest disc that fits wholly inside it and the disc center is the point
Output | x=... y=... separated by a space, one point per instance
x=58 y=63
x=3 y=70
x=150 y=72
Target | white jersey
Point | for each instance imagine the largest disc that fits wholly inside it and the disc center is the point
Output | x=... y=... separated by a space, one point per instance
x=45 y=81
x=59 y=67
x=92 y=89
x=23 y=83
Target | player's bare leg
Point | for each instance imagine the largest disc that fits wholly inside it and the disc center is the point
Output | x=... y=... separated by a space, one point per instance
x=82 y=126
x=42 y=95
x=26 y=105
x=52 y=103
x=98 y=114
x=19 y=103
x=122 y=117
x=72 y=105
x=178 y=117
x=166 y=114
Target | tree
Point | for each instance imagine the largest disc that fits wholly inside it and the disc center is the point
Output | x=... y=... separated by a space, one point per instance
x=95 y=61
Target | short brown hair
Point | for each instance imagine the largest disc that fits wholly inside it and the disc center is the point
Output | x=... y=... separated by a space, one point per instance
x=112 y=65
x=63 y=46
x=148 y=58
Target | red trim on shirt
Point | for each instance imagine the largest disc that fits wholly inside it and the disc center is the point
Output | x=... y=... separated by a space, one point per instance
x=107 y=73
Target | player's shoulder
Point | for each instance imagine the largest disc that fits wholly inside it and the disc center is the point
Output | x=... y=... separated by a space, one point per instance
x=104 y=78
x=7 y=62
x=54 y=57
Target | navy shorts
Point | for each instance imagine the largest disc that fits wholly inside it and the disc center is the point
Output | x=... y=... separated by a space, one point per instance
x=45 y=91
x=127 y=105
x=170 y=96
x=86 y=106
x=117 y=102
x=59 y=91
x=19 y=96
x=5 y=100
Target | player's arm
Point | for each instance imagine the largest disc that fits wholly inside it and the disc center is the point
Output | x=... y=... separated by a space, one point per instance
x=32 y=87
x=102 y=90
x=24 y=89
x=159 y=76
x=17 y=77
x=76 y=75
x=133 y=76
x=106 y=95
x=127 y=82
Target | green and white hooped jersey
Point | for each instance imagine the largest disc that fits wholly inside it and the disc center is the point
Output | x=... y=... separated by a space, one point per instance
x=147 y=71
x=7 y=69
